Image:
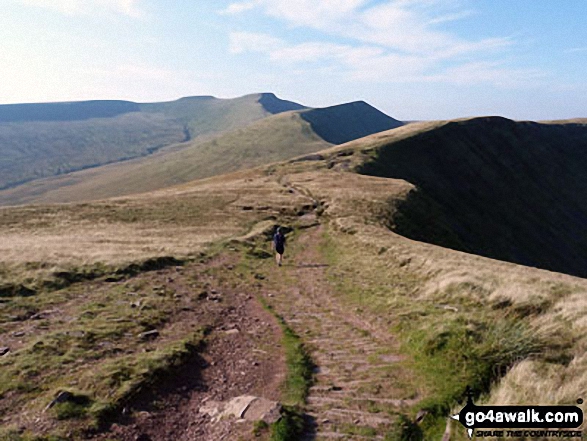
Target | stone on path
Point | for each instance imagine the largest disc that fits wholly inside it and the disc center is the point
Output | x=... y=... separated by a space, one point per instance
x=149 y=335
x=244 y=407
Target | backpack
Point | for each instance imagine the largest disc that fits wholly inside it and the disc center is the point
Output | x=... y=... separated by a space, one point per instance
x=279 y=240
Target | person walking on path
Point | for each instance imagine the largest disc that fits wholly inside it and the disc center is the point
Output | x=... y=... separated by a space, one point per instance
x=279 y=245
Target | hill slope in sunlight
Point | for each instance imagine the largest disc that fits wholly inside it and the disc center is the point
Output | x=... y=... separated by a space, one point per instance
x=47 y=139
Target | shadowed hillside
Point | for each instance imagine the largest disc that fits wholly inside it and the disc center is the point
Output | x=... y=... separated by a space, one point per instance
x=345 y=122
x=42 y=140
x=508 y=190
x=275 y=105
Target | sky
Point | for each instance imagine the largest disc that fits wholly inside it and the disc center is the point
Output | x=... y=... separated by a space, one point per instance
x=413 y=59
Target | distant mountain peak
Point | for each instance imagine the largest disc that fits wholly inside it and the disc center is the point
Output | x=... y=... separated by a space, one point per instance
x=272 y=104
x=345 y=122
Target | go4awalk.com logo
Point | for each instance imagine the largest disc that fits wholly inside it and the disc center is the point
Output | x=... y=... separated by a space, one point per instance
x=521 y=421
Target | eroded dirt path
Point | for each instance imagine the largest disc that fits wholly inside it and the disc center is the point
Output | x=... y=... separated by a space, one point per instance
x=358 y=390
x=242 y=356
x=360 y=385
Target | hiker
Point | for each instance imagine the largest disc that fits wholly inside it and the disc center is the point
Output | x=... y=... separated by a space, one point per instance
x=279 y=245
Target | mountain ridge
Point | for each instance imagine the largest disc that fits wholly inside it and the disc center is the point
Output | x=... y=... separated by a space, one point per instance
x=275 y=137
x=323 y=121
x=47 y=139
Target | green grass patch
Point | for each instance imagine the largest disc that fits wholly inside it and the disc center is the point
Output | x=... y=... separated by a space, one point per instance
x=87 y=338
x=405 y=429
x=290 y=427
x=459 y=353
x=300 y=367
x=298 y=381
x=14 y=435
x=117 y=382
x=76 y=407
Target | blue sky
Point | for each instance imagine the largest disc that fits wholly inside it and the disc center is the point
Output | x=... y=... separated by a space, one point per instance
x=413 y=59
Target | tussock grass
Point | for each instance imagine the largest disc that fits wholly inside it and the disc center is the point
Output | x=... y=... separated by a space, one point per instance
x=404 y=430
x=87 y=351
x=116 y=383
x=460 y=353
x=103 y=390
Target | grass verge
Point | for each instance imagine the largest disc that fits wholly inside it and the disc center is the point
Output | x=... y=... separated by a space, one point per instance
x=297 y=385
x=448 y=350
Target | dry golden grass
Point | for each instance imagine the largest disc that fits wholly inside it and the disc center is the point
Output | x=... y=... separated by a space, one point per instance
x=536 y=383
x=115 y=243
x=35 y=241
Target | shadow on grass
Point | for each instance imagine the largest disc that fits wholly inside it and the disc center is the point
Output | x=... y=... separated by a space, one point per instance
x=311 y=428
x=313 y=265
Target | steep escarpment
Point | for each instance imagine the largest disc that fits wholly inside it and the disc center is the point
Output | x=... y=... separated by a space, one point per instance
x=512 y=191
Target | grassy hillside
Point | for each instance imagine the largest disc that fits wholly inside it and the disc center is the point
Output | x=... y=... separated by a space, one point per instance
x=205 y=115
x=490 y=186
x=271 y=139
x=33 y=150
x=513 y=333
x=42 y=140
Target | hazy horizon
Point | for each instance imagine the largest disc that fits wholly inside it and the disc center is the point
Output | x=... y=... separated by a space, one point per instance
x=412 y=59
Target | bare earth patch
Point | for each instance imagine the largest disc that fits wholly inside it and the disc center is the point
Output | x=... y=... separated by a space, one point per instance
x=100 y=331
x=242 y=357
